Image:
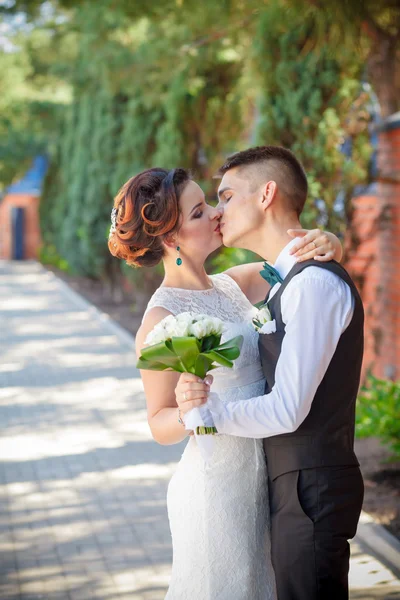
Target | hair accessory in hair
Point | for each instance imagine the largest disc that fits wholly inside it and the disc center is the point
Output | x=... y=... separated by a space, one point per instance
x=113 y=227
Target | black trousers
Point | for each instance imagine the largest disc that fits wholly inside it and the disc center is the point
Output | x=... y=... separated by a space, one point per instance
x=314 y=514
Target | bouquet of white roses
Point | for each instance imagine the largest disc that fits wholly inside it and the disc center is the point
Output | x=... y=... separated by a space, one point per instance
x=189 y=343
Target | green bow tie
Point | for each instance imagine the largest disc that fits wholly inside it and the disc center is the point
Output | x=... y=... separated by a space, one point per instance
x=270 y=274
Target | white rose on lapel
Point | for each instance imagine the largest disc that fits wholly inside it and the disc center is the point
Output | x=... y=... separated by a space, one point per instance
x=263 y=321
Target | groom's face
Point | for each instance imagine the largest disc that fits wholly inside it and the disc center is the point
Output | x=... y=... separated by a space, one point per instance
x=240 y=203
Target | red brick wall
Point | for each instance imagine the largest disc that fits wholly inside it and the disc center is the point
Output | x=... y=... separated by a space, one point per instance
x=389 y=246
x=374 y=260
x=363 y=265
x=32 y=238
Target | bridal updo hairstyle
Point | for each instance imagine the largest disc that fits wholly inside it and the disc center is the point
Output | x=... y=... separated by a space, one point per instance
x=147 y=211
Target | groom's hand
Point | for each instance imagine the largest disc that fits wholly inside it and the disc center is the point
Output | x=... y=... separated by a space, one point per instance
x=191 y=391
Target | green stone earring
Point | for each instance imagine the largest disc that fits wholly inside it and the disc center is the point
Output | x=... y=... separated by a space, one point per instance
x=178 y=260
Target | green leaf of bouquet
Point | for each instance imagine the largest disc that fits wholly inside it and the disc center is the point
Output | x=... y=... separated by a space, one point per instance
x=219 y=358
x=230 y=353
x=148 y=365
x=210 y=342
x=202 y=366
x=163 y=354
x=156 y=350
x=188 y=349
x=236 y=341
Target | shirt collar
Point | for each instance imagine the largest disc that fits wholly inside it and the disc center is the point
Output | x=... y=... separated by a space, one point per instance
x=285 y=261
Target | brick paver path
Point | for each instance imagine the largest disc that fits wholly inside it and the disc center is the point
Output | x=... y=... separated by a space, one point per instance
x=82 y=485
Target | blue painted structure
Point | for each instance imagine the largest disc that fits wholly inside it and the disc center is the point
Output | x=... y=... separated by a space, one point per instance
x=32 y=181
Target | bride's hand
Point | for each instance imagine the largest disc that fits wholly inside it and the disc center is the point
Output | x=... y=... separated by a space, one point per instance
x=191 y=391
x=320 y=245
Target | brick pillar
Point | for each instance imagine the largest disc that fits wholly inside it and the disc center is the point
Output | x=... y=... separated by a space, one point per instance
x=32 y=237
x=362 y=263
x=374 y=256
x=389 y=244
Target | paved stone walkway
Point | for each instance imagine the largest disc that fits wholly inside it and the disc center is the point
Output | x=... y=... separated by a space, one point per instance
x=82 y=485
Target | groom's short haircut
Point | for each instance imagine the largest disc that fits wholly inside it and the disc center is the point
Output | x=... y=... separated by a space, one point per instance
x=263 y=163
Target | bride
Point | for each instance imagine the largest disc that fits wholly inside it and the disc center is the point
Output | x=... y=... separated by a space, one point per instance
x=218 y=512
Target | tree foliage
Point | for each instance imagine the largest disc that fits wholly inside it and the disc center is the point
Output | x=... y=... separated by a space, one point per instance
x=304 y=103
x=176 y=83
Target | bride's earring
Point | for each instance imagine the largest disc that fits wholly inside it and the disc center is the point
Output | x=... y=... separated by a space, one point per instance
x=178 y=260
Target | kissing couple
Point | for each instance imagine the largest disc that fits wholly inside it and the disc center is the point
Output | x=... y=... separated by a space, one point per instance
x=270 y=517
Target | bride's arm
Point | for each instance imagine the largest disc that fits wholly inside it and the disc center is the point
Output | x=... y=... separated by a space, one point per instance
x=160 y=390
x=256 y=288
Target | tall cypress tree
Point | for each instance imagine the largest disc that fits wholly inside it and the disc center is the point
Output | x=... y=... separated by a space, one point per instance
x=303 y=100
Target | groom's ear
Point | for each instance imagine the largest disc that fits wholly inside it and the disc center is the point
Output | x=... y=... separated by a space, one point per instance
x=269 y=192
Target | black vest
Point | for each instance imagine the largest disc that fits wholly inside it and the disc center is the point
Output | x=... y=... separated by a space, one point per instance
x=326 y=436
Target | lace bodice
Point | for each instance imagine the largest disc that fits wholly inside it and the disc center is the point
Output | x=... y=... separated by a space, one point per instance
x=226 y=301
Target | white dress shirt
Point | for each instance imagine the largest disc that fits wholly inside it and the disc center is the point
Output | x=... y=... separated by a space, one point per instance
x=317 y=306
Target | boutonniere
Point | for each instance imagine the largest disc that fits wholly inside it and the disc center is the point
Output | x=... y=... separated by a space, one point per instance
x=263 y=321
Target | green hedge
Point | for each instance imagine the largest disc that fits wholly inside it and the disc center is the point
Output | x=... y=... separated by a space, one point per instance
x=378 y=412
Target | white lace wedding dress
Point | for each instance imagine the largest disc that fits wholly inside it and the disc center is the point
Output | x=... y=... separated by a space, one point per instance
x=219 y=512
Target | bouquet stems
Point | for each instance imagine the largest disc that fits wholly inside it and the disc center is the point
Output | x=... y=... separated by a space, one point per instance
x=206 y=430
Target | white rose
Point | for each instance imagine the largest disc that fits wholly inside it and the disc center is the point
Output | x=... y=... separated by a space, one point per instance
x=169 y=324
x=199 y=329
x=203 y=326
x=208 y=325
x=182 y=324
x=217 y=326
x=184 y=316
x=264 y=315
x=214 y=326
x=156 y=335
x=199 y=317
x=261 y=317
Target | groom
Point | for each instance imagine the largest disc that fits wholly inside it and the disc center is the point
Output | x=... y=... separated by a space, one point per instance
x=312 y=365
